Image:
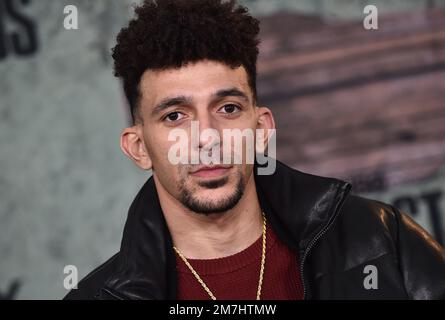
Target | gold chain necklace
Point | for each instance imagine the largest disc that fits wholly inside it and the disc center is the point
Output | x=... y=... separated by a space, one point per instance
x=263 y=261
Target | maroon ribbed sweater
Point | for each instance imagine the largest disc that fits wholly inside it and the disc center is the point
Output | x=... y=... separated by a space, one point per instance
x=236 y=277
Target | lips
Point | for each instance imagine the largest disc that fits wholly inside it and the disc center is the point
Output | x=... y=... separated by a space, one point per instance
x=211 y=171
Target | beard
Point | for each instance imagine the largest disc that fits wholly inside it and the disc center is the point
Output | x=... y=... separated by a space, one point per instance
x=209 y=206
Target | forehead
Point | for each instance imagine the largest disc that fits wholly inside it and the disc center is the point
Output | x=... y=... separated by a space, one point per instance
x=198 y=80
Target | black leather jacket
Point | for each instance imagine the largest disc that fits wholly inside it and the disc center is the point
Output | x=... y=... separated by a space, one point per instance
x=334 y=234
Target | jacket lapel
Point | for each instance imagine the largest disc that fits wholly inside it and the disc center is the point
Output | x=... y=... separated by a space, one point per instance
x=300 y=205
x=147 y=261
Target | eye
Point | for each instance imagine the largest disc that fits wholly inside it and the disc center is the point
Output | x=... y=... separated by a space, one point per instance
x=229 y=108
x=174 y=116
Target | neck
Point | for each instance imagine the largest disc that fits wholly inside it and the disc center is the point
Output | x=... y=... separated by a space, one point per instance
x=212 y=236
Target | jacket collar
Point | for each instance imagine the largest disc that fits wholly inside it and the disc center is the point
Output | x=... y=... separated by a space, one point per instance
x=298 y=206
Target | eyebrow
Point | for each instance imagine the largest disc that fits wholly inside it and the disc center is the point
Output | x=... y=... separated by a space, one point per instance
x=220 y=94
x=170 y=102
x=232 y=92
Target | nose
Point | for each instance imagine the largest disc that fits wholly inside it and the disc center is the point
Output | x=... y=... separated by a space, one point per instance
x=208 y=132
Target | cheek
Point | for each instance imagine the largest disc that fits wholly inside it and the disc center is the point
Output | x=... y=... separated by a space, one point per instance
x=159 y=149
x=158 y=146
x=161 y=160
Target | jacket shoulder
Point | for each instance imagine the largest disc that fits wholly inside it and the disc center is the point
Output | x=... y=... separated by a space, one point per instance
x=364 y=230
x=380 y=228
x=370 y=218
x=89 y=287
x=373 y=217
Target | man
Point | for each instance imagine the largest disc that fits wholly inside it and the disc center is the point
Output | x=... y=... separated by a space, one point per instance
x=222 y=230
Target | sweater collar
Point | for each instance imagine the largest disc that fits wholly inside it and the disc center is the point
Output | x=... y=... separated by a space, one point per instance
x=298 y=206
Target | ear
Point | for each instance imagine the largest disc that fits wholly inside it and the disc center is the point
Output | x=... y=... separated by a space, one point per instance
x=132 y=144
x=265 y=121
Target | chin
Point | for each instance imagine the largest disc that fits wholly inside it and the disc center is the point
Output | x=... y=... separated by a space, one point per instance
x=216 y=195
x=213 y=201
x=208 y=196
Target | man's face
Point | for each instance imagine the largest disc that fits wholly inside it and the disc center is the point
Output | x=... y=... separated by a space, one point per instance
x=217 y=97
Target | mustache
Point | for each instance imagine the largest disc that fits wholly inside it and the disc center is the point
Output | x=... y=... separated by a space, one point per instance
x=209 y=167
x=192 y=163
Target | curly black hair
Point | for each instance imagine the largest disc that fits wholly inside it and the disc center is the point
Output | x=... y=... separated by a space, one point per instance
x=171 y=33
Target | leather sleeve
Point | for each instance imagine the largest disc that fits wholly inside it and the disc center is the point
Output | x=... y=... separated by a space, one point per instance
x=421 y=258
